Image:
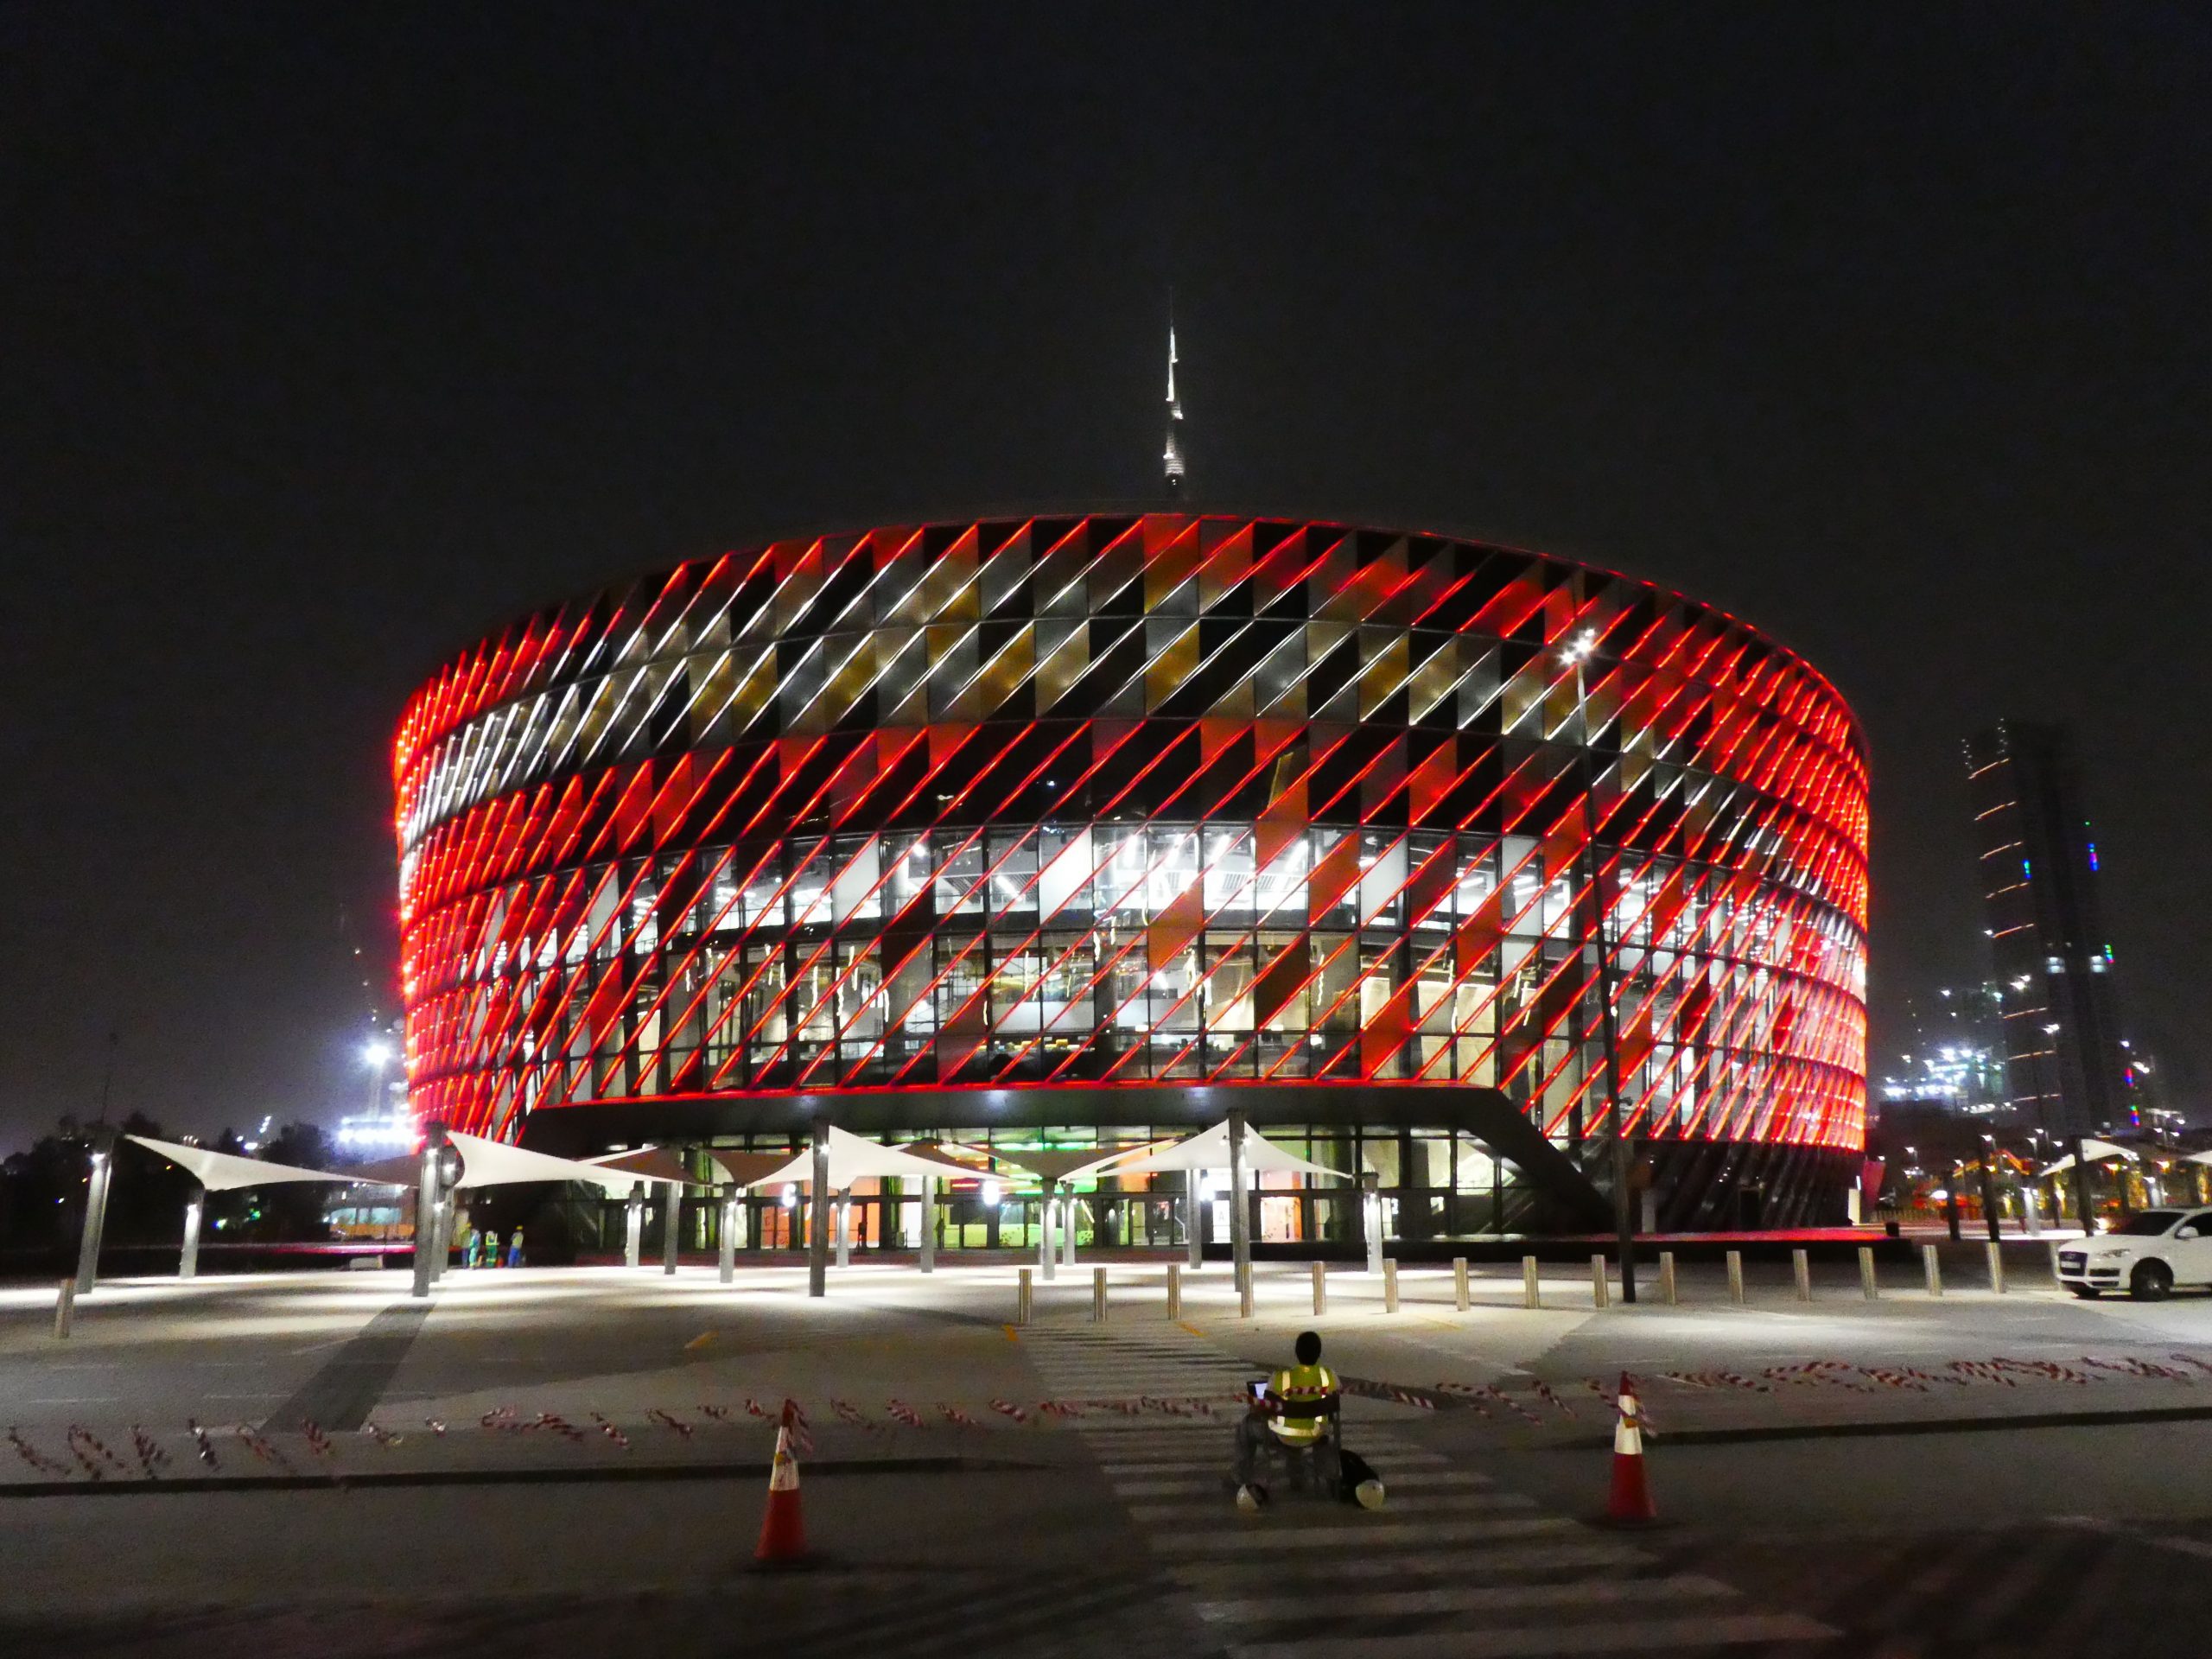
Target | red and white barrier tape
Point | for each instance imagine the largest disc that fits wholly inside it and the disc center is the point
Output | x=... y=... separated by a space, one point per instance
x=202 y=1444
x=151 y=1458
x=610 y=1431
x=37 y=1459
x=1010 y=1409
x=669 y=1420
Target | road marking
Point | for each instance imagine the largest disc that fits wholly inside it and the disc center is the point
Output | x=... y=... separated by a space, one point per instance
x=75 y=1399
x=1515 y=1643
x=1161 y=1486
x=1464 y=1598
x=1413 y=1508
x=1356 y=1539
x=1356 y=1574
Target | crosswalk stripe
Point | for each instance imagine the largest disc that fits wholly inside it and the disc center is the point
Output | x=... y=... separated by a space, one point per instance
x=1462 y=1598
x=1412 y=1508
x=1164 y=1465
x=1257 y=1537
x=1360 y=1572
x=1530 y=1642
x=1418 y=1478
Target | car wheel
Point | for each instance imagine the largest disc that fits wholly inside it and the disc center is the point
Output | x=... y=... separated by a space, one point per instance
x=2151 y=1282
x=2086 y=1293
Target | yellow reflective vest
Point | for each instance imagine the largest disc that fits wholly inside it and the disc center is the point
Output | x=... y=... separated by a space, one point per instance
x=1302 y=1385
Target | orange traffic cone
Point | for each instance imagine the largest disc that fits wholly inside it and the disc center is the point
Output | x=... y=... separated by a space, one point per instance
x=1629 y=1502
x=782 y=1531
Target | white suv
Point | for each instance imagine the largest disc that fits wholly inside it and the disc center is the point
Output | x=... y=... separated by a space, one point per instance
x=2146 y=1255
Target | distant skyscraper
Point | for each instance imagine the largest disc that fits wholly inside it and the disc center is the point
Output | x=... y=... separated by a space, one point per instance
x=1172 y=460
x=2065 y=1064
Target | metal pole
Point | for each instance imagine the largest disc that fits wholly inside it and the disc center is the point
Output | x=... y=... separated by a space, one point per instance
x=1996 y=1267
x=1194 y=1236
x=1460 y=1283
x=2081 y=1185
x=96 y=1185
x=817 y=1218
x=1989 y=1197
x=1599 y=1287
x=426 y=1205
x=671 y=1231
x=844 y=1218
x=1736 y=1277
x=187 y=1260
x=1098 y=1296
x=1801 y=1265
x=633 y=1225
x=1047 y=1257
x=1931 y=1268
x=1389 y=1287
x=1869 y=1286
x=1068 y=1213
x=1668 y=1291
x=1240 y=1220
x=1532 y=1294
x=929 y=1223
x=1320 y=1287
x=1371 y=1210
x=725 y=1235
x=1623 y=1220
x=1951 y=1201
x=65 y=1307
x=1024 y=1296
x=1174 y=1290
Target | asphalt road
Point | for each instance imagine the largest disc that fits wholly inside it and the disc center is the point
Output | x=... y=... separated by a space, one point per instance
x=1975 y=1475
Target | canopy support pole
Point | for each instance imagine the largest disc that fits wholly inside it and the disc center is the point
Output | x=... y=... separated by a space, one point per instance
x=1240 y=1219
x=187 y=1260
x=1047 y=1255
x=726 y=1233
x=1193 y=1230
x=633 y=1225
x=88 y=1244
x=426 y=1205
x=1068 y=1202
x=845 y=1228
x=929 y=1223
x=817 y=1218
x=671 y=1231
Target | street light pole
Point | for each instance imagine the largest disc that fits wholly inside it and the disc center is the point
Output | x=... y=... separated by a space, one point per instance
x=1623 y=1221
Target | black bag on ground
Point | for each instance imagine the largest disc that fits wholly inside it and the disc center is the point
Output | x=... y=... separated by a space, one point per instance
x=1351 y=1470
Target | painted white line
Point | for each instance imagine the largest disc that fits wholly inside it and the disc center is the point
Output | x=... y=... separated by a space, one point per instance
x=1164 y=1487
x=1639 y=1635
x=1463 y=1599
x=1256 y=1536
x=1410 y=1508
x=1358 y=1574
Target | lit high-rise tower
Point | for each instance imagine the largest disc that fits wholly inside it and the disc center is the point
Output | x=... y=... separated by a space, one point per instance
x=1171 y=458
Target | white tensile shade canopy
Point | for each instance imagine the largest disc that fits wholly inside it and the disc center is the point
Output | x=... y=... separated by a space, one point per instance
x=494 y=1163
x=225 y=1171
x=1209 y=1149
x=852 y=1157
x=2099 y=1152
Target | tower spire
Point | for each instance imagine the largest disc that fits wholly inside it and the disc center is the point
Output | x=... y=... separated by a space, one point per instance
x=1171 y=458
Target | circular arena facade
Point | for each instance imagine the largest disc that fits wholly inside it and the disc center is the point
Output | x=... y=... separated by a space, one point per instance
x=1079 y=831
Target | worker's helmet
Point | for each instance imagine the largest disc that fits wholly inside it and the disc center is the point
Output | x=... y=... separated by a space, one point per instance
x=1308 y=1348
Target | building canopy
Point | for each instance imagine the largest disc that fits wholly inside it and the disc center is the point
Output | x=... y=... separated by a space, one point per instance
x=1209 y=1149
x=852 y=1158
x=225 y=1171
x=2099 y=1152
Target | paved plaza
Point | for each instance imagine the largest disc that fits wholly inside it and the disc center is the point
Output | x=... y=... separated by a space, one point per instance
x=317 y=1462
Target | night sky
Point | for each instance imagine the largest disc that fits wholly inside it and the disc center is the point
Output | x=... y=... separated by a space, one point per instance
x=332 y=336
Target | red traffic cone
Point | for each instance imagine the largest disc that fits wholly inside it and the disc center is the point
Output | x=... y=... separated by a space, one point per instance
x=1629 y=1504
x=782 y=1531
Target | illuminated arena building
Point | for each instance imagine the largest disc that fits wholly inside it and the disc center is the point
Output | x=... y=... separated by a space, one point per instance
x=1073 y=830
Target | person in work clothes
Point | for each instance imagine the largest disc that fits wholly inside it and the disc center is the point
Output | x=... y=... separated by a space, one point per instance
x=1295 y=1412
x=514 y=1249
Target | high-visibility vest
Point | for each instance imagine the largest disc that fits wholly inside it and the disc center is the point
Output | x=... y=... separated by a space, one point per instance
x=1302 y=1385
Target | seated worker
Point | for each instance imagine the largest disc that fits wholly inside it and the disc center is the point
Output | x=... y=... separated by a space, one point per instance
x=1295 y=1413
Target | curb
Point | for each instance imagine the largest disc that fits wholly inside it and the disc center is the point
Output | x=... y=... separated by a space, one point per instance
x=1912 y=1426
x=112 y=1488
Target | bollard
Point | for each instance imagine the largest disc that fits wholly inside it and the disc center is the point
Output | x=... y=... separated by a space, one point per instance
x=1023 y=1294
x=65 y=1307
x=1244 y=1296
x=1098 y=1296
x=1667 y=1289
x=1736 y=1277
x=1174 y=1290
x=1460 y=1283
x=1932 y=1266
x=1320 y=1287
x=1996 y=1266
x=1802 y=1265
x=1600 y=1290
x=1868 y=1287
x=1531 y=1293
x=2054 y=1262
x=1390 y=1286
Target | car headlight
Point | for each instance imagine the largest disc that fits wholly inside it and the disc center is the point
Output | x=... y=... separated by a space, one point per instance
x=2116 y=1256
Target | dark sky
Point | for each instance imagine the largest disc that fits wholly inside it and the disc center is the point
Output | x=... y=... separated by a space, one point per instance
x=331 y=336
